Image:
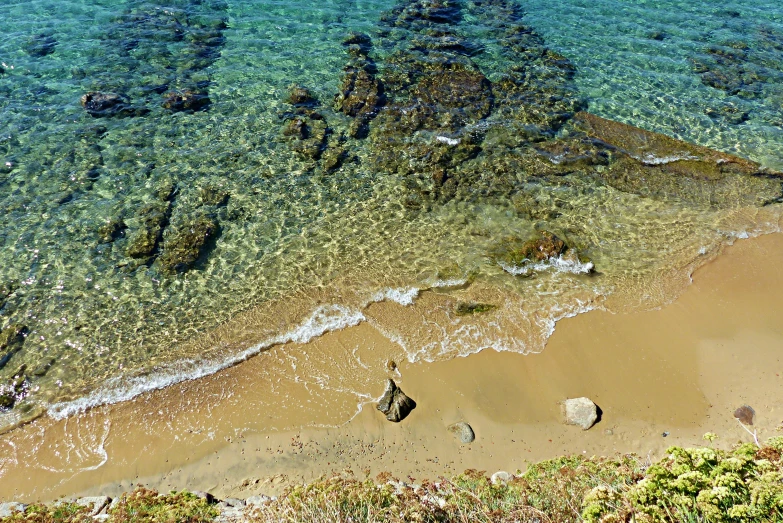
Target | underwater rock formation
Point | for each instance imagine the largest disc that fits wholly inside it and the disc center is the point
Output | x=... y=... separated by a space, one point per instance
x=431 y=115
x=159 y=54
x=11 y=341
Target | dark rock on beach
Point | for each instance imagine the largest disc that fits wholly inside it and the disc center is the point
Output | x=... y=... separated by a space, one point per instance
x=745 y=414
x=394 y=403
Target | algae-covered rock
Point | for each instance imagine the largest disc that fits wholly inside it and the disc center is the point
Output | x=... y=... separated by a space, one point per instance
x=300 y=96
x=11 y=341
x=183 y=246
x=15 y=390
x=186 y=100
x=111 y=230
x=469 y=308
x=143 y=241
x=100 y=105
x=546 y=245
x=394 y=403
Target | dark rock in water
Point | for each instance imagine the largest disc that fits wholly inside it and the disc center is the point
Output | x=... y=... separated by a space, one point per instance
x=40 y=45
x=394 y=403
x=517 y=252
x=213 y=194
x=100 y=105
x=658 y=35
x=110 y=231
x=463 y=431
x=42 y=368
x=580 y=411
x=729 y=113
x=143 y=242
x=11 y=341
x=300 y=96
x=470 y=308
x=746 y=415
x=15 y=390
x=184 y=246
x=307 y=134
x=185 y=100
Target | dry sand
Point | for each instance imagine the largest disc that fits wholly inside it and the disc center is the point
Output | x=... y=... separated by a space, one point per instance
x=254 y=428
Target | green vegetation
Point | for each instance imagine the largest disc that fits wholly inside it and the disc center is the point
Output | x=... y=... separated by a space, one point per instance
x=687 y=485
x=141 y=505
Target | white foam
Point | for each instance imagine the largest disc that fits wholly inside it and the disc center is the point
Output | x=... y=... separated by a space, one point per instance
x=324 y=319
x=449 y=141
x=402 y=295
x=559 y=264
x=651 y=159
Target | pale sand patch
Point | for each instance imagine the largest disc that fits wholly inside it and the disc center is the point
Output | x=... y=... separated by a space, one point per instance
x=681 y=370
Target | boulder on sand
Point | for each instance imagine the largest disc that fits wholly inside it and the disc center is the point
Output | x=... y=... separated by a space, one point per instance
x=580 y=411
x=394 y=403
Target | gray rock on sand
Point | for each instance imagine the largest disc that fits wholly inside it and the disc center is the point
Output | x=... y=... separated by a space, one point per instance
x=580 y=411
x=257 y=501
x=501 y=477
x=6 y=509
x=745 y=414
x=463 y=431
x=394 y=403
x=95 y=504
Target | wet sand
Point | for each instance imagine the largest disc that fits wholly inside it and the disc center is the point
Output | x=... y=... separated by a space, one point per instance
x=680 y=371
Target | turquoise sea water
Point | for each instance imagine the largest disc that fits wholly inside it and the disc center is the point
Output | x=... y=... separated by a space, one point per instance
x=189 y=227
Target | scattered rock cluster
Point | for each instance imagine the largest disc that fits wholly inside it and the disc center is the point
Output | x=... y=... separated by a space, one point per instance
x=159 y=54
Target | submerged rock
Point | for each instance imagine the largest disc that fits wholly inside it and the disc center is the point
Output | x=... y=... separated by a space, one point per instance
x=110 y=231
x=394 y=403
x=580 y=411
x=469 y=308
x=11 y=341
x=463 y=431
x=101 y=105
x=152 y=218
x=15 y=390
x=183 y=247
x=40 y=45
x=300 y=96
x=185 y=100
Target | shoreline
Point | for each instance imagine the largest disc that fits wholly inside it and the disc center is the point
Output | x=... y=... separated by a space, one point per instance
x=680 y=370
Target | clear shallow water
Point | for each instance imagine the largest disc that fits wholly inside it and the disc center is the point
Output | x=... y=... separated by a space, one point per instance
x=296 y=249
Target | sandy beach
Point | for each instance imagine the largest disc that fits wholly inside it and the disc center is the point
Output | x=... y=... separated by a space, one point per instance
x=661 y=378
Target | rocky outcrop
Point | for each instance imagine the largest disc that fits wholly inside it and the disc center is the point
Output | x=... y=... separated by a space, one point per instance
x=580 y=411
x=394 y=403
x=463 y=432
x=8 y=509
